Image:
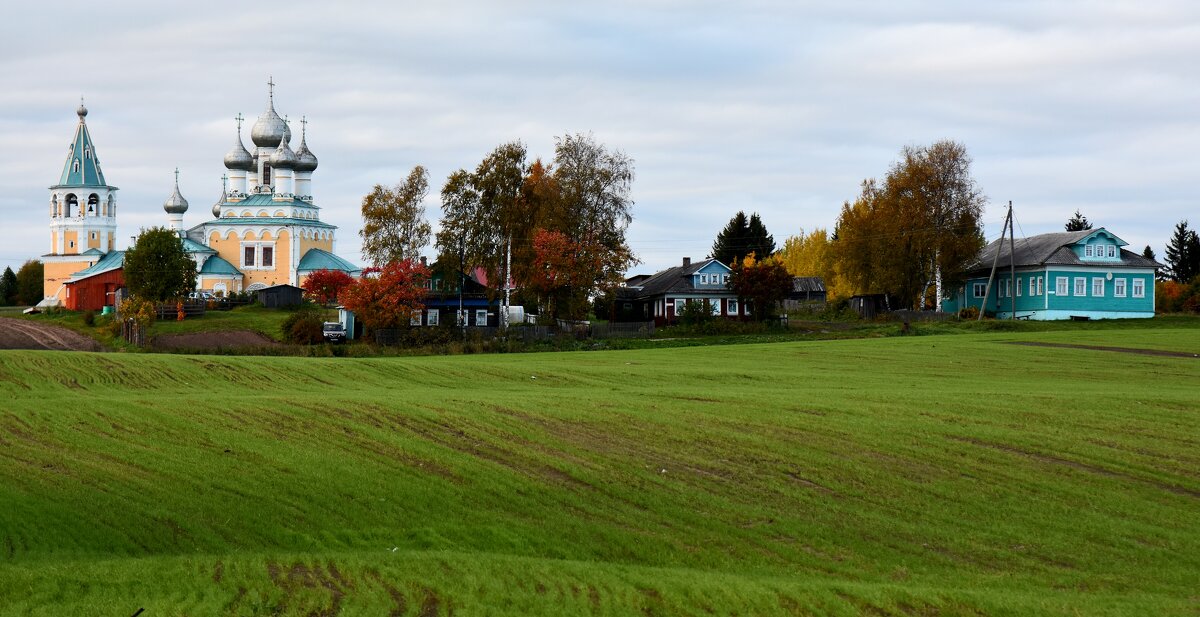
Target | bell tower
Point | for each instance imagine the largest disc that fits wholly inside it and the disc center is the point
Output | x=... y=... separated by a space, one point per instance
x=83 y=212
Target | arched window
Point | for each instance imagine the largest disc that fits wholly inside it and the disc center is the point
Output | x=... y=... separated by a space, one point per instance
x=72 y=204
x=93 y=203
x=75 y=167
x=112 y=206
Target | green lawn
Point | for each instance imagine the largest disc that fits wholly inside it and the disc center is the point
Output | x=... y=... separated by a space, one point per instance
x=925 y=475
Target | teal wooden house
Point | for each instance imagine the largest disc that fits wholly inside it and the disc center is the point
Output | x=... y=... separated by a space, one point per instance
x=1068 y=275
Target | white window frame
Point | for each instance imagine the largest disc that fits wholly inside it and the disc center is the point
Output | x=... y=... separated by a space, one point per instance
x=1080 y=286
x=258 y=255
x=703 y=279
x=1112 y=250
x=1018 y=287
x=1097 y=286
x=1119 y=288
x=679 y=302
x=714 y=305
x=1041 y=290
x=724 y=279
x=978 y=289
x=1139 y=288
x=731 y=306
x=415 y=320
x=1033 y=286
x=1087 y=251
x=481 y=313
x=431 y=317
x=1062 y=285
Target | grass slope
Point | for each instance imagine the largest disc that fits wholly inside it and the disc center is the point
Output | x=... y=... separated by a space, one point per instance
x=902 y=476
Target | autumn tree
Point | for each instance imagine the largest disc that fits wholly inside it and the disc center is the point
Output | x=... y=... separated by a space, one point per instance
x=1183 y=254
x=917 y=229
x=387 y=297
x=394 y=224
x=740 y=237
x=811 y=254
x=764 y=283
x=560 y=265
x=1078 y=222
x=157 y=268
x=325 y=285
x=8 y=287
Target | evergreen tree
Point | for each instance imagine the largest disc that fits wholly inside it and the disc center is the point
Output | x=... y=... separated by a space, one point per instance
x=1078 y=222
x=740 y=237
x=1183 y=254
x=8 y=287
x=1148 y=253
x=157 y=268
x=29 y=283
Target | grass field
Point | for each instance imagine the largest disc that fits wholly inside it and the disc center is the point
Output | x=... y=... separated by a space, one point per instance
x=938 y=475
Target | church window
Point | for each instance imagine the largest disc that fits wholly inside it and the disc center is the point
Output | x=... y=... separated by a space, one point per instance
x=268 y=256
x=266 y=174
x=258 y=255
x=87 y=153
x=248 y=253
x=75 y=167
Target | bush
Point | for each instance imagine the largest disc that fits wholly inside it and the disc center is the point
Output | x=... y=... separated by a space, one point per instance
x=970 y=312
x=304 y=326
x=695 y=313
x=89 y=318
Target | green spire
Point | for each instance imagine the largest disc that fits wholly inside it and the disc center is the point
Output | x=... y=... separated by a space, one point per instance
x=82 y=168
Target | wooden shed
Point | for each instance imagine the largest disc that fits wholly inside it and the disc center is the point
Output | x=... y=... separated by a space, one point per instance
x=280 y=296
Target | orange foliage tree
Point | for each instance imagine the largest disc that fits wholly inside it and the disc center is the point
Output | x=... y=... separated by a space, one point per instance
x=325 y=285
x=387 y=297
x=765 y=283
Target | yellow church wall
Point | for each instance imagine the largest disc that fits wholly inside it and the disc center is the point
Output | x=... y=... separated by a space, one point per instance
x=54 y=242
x=56 y=273
x=93 y=243
x=71 y=243
x=309 y=243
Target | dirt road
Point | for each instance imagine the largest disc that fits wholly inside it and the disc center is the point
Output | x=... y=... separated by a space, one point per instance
x=23 y=334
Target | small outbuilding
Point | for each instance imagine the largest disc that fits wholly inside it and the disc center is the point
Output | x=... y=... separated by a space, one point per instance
x=280 y=296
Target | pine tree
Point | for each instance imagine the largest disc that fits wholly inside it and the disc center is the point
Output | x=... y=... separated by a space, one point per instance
x=1078 y=222
x=741 y=237
x=1183 y=254
x=8 y=287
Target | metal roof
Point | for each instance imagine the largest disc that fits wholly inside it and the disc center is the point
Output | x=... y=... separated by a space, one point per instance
x=82 y=168
x=216 y=265
x=112 y=260
x=191 y=246
x=677 y=279
x=1053 y=249
x=317 y=259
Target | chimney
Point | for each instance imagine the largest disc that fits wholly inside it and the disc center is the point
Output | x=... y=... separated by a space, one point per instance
x=687 y=261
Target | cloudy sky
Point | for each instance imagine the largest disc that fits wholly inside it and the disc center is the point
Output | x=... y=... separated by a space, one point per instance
x=776 y=107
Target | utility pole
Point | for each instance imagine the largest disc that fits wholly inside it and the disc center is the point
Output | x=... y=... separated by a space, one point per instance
x=1012 y=265
x=507 y=278
x=462 y=249
x=987 y=291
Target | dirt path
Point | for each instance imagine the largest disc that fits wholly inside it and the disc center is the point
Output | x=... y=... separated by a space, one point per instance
x=1145 y=352
x=22 y=334
x=228 y=339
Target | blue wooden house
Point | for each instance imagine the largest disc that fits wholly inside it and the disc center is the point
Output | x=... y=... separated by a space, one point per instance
x=1067 y=275
x=661 y=296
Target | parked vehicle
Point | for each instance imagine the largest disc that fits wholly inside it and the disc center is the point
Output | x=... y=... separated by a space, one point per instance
x=334 y=332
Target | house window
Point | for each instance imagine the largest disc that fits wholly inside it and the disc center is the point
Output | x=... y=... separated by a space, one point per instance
x=715 y=306
x=1139 y=288
x=415 y=320
x=1087 y=251
x=431 y=317
x=1098 y=287
x=1118 y=288
x=703 y=279
x=1080 y=286
x=1041 y=286
x=731 y=307
x=1018 y=288
x=1060 y=286
x=978 y=289
x=679 y=306
x=481 y=318
x=1033 y=286
x=1112 y=251
x=725 y=278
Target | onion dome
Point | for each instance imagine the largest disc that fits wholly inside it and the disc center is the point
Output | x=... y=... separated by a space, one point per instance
x=176 y=204
x=238 y=158
x=81 y=111
x=305 y=159
x=283 y=158
x=270 y=129
x=216 y=209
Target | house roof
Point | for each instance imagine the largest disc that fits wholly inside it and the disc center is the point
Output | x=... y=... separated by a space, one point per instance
x=216 y=265
x=677 y=279
x=264 y=220
x=1052 y=249
x=112 y=260
x=808 y=284
x=267 y=199
x=317 y=259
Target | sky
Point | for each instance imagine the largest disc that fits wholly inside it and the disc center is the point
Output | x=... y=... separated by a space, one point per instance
x=780 y=108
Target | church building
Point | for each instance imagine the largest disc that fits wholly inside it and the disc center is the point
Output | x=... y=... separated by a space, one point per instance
x=265 y=228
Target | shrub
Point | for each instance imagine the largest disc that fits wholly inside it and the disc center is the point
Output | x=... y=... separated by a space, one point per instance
x=304 y=326
x=970 y=312
x=89 y=318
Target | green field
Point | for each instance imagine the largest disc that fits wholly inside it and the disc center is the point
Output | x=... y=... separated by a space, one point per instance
x=931 y=475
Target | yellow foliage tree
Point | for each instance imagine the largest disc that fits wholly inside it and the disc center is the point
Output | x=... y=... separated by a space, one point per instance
x=811 y=254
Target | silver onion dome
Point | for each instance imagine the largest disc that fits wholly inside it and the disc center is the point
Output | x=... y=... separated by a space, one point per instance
x=176 y=204
x=283 y=158
x=270 y=129
x=238 y=158
x=217 y=210
x=305 y=159
x=81 y=111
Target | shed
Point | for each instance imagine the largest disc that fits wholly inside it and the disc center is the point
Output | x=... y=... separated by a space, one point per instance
x=95 y=287
x=280 y=296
